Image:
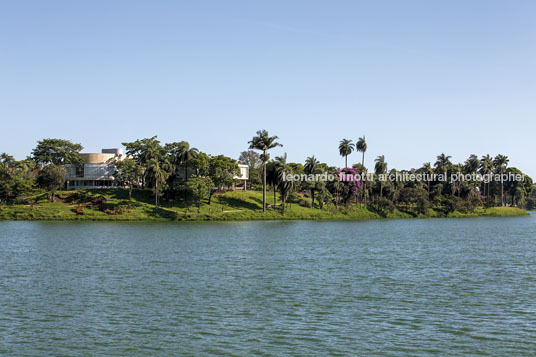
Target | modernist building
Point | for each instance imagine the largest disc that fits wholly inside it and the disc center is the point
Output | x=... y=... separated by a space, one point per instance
x=97 y=171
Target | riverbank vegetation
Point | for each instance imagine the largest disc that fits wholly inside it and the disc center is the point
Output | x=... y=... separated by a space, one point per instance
x=114 y=205
x=175 y=181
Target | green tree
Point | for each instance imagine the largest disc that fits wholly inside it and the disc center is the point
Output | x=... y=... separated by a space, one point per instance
x=199 y=189
x=442 y=164
x=263 y=142
x=159 y=177
x=501 y=162
x=427 y=170
x=518 y=190
x=57 y=152
x=16 y=178
x=486 y=168
x=173 y=154
x=415 y=197
x=51 y=178
x=456 y=186
x=271 y=178
x=345 y=148
x=188 y=154
x=380 y=168
x=254 y=162
x=250 y=158
x=361 y=146
x=312 y=168
x=144 y=151
x=284 y=186
x=128 y=172
x=201 y=164
x=7 y=167
x=471 y=165
x=222 y=172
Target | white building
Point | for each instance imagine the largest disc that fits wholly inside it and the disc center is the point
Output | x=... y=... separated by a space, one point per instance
x=243 y=178
x=97 y=171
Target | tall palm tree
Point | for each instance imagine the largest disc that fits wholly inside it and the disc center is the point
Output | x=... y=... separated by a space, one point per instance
x=346 y=146
x=380 y=168
x=263 y=142
x=311 y=168
x=486 y=168
x=361 y=146
x=501 y=162
x=187 y=154
x=159 y=176
x=443 y=163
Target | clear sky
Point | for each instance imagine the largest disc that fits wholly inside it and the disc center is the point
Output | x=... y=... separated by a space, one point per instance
x=416 y=77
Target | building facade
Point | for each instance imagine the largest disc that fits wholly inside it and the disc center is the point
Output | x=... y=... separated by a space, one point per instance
x=96 y=172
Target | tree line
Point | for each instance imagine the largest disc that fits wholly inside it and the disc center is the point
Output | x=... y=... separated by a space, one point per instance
x=178 y=172
x=172 y=170
x=451 y=195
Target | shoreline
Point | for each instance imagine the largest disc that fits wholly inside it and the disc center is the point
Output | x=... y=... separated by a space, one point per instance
x=234 y=206
x=359 y=215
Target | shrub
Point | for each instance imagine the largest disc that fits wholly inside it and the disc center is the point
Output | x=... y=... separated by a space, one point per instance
x=116 y=210
x=385 y=204
x=79 y=209
x=305 y=203
x=454 y=203
x=99 y=202
x=415 y=196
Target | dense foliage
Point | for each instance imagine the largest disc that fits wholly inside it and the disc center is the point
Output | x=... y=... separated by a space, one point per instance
x=177 y=173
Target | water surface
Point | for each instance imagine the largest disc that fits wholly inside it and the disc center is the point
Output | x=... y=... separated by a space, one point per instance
x=394 y=287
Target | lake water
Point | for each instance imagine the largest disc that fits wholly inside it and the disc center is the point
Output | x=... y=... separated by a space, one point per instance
x=395 y=287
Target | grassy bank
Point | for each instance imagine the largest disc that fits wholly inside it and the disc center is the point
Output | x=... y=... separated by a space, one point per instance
x=113 y=205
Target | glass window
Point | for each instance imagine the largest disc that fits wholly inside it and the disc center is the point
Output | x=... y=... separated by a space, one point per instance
x=79 y=171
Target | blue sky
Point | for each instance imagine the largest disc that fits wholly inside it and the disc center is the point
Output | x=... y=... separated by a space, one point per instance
x=416 y=77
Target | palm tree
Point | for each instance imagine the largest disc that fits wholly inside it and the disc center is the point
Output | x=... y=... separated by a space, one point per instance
x=442 y=164
x=311 y=168
x=471 y=167
x=361 y=146
x=501 y=162
x=428 y=171
x=486 y=168
x=159 y=176
x=456 y=186
x=345 y=148
x=380 y=168
x=263 y=142
x=471 y=164
x=284 y=186
x=187 y=154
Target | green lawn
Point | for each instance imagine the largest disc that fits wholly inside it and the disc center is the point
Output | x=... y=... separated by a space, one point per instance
x=230 y=206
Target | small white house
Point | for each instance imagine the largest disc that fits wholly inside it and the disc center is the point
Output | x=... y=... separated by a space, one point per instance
x=242 y=178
